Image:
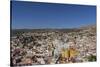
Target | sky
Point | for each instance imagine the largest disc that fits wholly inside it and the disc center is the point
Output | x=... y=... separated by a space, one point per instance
x=50 y=15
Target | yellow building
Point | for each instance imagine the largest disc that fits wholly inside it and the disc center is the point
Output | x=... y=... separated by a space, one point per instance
x=68 y=54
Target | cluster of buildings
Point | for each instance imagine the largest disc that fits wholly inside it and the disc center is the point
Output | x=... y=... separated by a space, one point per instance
x=35 y=48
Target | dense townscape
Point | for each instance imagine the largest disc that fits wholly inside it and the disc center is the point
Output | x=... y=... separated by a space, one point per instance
x=54 y=47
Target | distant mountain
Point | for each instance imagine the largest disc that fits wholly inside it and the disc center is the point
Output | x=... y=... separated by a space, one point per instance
x=90 y=28
x=20 y=31
x=67 y=30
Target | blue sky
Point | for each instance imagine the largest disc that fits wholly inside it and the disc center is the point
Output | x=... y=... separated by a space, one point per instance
x=47 y=15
